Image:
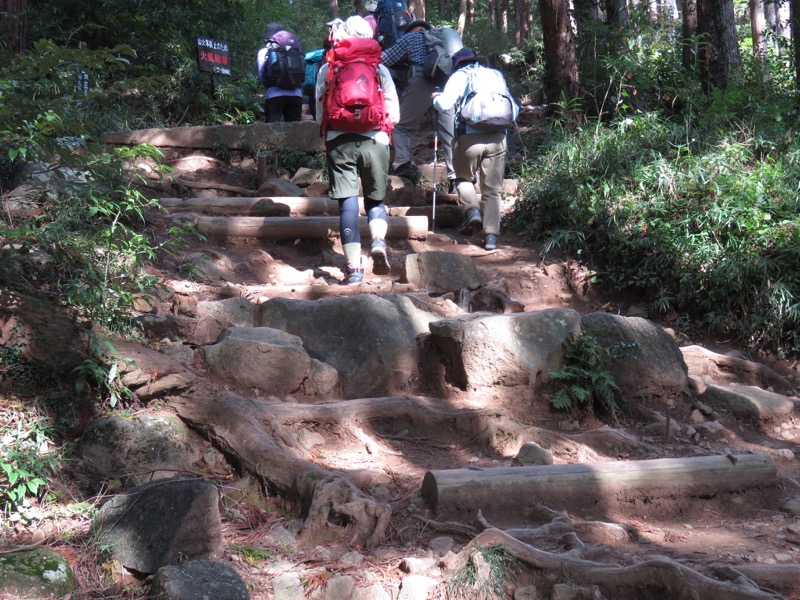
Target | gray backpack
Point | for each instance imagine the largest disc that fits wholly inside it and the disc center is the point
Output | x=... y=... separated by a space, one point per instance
x=442 y=43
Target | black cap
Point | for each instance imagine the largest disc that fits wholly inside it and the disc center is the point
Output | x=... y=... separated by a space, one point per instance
x=272 y=28
x=418 y=23
x=464 y=56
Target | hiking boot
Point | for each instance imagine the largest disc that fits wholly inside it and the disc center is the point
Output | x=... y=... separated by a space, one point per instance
x=491 y=241
x=353 y=275
x=405 y=170
x=380 y=259
x=473 y=222
x=452 y=188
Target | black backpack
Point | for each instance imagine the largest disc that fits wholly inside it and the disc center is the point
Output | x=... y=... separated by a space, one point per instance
x=285 y=66
x=393 y=17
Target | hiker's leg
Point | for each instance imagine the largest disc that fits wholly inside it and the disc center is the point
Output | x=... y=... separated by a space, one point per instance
x=373 y=168
x=466 y=157
x=414 y=102
x=274 y=108
x=492 y=167
x=445 y=121
x=293 y=108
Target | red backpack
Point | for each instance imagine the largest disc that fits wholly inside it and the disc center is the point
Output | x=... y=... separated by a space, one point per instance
x=354 y=99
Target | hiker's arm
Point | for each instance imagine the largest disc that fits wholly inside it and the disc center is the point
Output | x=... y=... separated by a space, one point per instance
x=390 y=95
x=397 y=52
x=261 y=58
x=452 y=92
x=319 y=89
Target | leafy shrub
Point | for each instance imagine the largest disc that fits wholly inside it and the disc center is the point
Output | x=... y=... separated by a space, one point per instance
x=691 y=221
x=26 y=458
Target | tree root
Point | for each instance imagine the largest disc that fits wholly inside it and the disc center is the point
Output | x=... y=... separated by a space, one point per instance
x=656 y=578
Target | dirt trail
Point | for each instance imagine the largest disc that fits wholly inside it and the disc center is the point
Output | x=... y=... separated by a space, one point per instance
x=748 y=530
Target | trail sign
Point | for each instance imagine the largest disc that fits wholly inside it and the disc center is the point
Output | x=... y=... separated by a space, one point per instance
x=212 y=56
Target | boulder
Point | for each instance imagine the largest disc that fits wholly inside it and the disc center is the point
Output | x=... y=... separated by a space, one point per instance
x=35 y=573
x=371 y=341
x=503 y=352
x=188 y=526
x=442 y=272
x=198 y=579
x=748 y=401
x=270 y=359
x=134 y=450
x=650 y=365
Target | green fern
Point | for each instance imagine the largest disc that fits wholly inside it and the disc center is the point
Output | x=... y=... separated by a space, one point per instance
x=585 y=381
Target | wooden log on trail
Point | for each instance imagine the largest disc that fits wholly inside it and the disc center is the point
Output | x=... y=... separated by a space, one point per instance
x=312 y=227
x=295 y=135
x=264 y=206
x=290 y=206
x=597 y=487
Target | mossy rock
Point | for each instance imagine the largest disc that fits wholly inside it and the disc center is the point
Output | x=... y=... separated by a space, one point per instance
x=39 y=572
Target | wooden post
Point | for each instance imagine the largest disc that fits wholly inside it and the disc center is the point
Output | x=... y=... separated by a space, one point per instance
x=261 y=175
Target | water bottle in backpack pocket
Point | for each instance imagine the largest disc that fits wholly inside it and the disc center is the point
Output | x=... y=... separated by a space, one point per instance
x=285 y=66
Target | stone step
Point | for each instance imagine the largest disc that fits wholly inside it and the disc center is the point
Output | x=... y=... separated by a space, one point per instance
x=311 y=227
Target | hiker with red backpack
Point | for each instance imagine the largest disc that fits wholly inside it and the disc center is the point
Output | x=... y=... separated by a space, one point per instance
x=357 y=106
x=281 y=70
x=415 y=102
x=485 y=110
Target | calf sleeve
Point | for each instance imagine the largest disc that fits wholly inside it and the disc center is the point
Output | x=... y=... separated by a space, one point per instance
x=376 y=215
x=348 y=220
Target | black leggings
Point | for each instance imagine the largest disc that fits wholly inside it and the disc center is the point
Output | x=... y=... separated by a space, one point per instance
x=348 y=217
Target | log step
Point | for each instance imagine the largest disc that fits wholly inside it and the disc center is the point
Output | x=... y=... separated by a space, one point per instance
x=447 y=215
x=312 y=227
x=460 y=493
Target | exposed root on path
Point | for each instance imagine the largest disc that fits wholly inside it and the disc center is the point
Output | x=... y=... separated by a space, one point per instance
x=657 y=578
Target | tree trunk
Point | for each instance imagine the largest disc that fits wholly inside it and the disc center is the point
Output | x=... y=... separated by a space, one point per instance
x=794 y=6
x=688 y=33
x=417 y=8
x=616 y=13
x=14 y=24
x=502 y=15
x=758 y=28
x=720 y=61
x=561 y=66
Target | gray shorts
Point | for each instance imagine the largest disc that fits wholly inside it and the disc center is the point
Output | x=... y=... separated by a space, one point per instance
x=351 y=156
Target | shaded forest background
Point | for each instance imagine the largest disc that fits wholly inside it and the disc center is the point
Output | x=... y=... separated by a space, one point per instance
x=667 y=160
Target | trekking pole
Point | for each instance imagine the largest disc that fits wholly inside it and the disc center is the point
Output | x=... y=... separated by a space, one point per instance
x=435 y=160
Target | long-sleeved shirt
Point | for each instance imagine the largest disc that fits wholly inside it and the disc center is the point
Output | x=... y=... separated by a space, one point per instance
x=273 y=91
x=456 y=90
x=389 y=96
x=410 y=47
